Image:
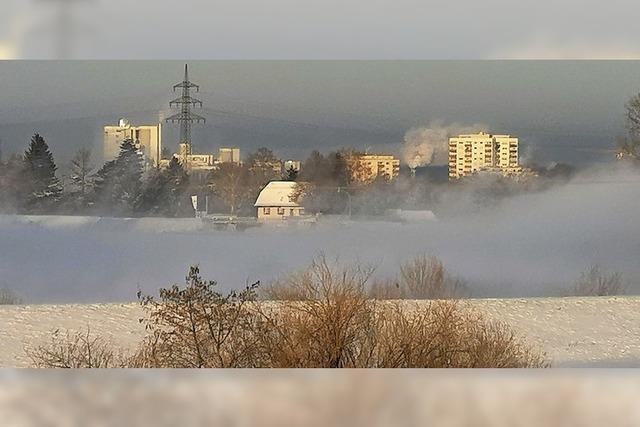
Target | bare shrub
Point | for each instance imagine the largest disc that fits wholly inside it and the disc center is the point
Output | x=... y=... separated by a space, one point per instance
x=328 y=321
x=322 y=318
x=423 y=277
x=325 y=320
x=9 y=297
x=445 y=334
x=197 y=327
x=75 y=350
x=595 y=282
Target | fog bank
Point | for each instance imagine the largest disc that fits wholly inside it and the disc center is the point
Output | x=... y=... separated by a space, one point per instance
x=528 y=245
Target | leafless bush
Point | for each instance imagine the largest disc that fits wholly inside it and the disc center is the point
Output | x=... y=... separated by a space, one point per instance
x=75 y=350
x=328 y=321
x=325 y=320
x=321 y=317
x=197 y=327
x=9 y=297
x=595 y=282
x=446 y=334
x=423 y=277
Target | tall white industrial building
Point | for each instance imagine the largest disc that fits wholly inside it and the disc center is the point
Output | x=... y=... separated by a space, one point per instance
x=148 y=139
x=472 y=153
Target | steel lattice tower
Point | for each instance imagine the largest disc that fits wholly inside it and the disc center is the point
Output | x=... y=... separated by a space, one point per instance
x=185 y=117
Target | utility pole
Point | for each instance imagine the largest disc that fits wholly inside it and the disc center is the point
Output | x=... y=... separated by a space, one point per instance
x=185 y=117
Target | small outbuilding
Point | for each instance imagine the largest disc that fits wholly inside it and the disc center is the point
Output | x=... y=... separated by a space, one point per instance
x=279 y=200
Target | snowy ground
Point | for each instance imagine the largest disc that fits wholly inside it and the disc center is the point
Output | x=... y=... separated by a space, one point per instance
x=575 y=332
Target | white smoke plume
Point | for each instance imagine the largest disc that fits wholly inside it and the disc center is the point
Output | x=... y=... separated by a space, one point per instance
x=428 y=145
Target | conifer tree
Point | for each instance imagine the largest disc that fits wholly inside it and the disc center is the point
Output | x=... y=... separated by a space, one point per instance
x=118 y=182
x=165 y=192
x=177 y=202
x=42 y=190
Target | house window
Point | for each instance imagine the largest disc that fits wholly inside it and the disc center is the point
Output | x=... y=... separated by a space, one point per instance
x=280 y=211
x=266 y=211
x=291 y=212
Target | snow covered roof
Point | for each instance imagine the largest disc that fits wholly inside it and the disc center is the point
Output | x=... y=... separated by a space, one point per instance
x=277 y=194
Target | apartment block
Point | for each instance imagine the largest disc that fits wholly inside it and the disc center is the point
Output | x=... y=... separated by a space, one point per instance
x=473 y=153
x=365 y=168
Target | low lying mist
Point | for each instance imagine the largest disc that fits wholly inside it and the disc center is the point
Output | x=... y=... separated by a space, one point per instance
x=530 y=244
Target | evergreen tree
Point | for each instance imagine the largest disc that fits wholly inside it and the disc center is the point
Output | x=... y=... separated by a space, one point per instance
x=42 y=189
x=118 y=182
x=177 y=200
x=165 y=192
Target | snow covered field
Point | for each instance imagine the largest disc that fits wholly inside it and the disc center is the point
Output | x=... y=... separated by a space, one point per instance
x=575 y=332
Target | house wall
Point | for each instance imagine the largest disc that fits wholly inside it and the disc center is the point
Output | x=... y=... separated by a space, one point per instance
x=275 y=212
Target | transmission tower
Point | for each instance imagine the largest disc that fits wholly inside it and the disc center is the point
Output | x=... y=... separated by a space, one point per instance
x=185 y=117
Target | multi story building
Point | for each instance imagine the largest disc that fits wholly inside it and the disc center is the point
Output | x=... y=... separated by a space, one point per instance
x=229 y=155
x=473 y=153
x=147 y=138
x=365 y=168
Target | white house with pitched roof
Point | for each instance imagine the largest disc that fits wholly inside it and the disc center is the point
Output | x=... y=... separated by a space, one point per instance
x=278 y=200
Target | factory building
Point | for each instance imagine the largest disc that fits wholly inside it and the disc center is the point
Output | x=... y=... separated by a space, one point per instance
x=147 y=138
x=200 y=165
x=229 y=155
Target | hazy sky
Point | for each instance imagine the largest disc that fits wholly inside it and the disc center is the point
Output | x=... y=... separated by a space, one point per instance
x=319 y=29
x=562 y=110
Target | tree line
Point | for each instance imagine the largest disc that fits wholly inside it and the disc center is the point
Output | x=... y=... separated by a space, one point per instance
x=30 y=183
x=331 y=184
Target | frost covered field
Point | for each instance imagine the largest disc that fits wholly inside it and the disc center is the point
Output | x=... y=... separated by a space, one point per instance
x=528 y=245
x=574 y=332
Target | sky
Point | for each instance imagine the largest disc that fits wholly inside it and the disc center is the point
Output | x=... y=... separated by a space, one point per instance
x=319 y=29
x=562 y=111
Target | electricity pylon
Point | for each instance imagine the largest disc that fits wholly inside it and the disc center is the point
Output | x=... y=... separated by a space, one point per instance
x=185 y=117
